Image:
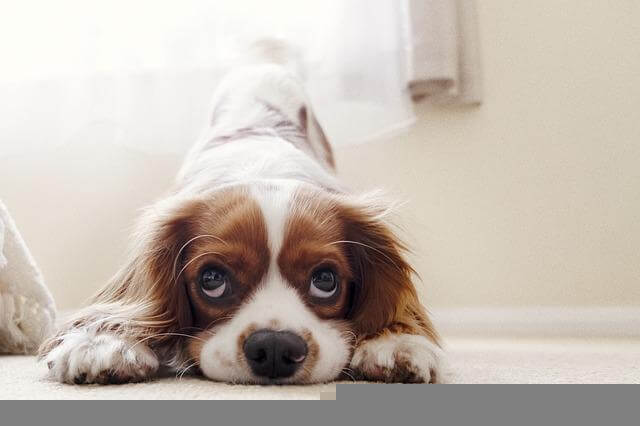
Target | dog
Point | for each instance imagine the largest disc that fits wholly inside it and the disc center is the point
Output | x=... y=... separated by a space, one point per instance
x=259 y=266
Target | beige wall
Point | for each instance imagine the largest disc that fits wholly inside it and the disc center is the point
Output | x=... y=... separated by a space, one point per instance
x=533 y=199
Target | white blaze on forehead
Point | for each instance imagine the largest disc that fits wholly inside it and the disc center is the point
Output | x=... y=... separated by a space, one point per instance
x=275 y=203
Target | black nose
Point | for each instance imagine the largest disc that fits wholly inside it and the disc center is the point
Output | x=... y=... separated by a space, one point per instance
x=274 y=354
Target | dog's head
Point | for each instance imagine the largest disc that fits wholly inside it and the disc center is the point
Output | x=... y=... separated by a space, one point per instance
x=274 y=283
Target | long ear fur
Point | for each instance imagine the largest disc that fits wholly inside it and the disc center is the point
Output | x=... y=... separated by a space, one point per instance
x=385 y=297
x=144 y=300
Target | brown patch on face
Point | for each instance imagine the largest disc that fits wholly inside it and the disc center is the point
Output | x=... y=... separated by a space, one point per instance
x=313 y=351
x=376 y=289
x=227 y=233
x=156 y=296
x=241 y=339
x=194 y=346
x=312 y=242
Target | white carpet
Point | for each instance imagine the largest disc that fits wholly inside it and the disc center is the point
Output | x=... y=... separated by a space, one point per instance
x=471 y=360
x=545 y=361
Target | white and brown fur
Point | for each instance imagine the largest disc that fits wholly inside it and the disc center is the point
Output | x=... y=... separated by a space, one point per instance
x=257 y=194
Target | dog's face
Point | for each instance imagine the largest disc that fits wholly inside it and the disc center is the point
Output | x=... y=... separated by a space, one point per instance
x=274 y=278
x=269 y=290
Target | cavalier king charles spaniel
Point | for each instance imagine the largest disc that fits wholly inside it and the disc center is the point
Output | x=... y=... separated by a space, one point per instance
x=258 y=266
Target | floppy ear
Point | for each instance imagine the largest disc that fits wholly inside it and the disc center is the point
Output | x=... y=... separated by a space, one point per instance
x=144 y=300
x=150 y=277
x=385 y=297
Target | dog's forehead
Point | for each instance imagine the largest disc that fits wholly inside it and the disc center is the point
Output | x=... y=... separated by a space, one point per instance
x=277 y=221
x=294 y=212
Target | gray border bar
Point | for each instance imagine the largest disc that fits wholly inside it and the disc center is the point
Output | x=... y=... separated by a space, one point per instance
x=366 y=404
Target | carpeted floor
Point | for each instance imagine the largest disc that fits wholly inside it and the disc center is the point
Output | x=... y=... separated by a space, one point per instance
x=559 y=360
x=471 y=361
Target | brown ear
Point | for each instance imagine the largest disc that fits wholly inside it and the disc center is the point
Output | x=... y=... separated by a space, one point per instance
x=144 y=300
x=385 y=298
x=150 y=280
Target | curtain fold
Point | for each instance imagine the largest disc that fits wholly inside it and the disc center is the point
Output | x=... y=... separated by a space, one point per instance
x=444 y=52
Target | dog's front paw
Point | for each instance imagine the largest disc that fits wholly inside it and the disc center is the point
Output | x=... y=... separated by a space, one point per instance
x=398 y=358
x=82 y=357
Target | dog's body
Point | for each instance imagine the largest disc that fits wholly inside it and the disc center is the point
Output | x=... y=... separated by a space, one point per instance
x=259 y=267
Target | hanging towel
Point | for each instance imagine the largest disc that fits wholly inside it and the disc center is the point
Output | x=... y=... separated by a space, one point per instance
x=444 y=51
x=27 y=311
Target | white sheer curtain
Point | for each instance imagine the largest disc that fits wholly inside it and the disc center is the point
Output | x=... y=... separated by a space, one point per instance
x=140 y=73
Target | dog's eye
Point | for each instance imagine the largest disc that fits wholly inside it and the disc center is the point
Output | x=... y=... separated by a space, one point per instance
x=324 y=284
x=214 y=282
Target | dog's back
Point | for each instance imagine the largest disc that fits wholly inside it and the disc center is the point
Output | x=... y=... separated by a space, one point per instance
x=261 y=125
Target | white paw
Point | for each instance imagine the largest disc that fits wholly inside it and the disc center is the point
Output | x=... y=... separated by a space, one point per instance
x=83 y=357
x=396 y=358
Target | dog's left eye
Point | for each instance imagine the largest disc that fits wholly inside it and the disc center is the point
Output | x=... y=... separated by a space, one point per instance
x=214 y=282
x=324 y=284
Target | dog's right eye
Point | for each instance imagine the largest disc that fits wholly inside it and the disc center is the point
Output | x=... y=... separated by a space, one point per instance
x=324 y=284
x=215 y=282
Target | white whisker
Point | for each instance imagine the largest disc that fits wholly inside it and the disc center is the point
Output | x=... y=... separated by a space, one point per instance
x=175 y=262
x=191 y=261
x=344 y=371
x=186 y=369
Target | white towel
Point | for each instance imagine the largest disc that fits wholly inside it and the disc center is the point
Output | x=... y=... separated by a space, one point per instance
x=444 y=51
x=27 y=311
